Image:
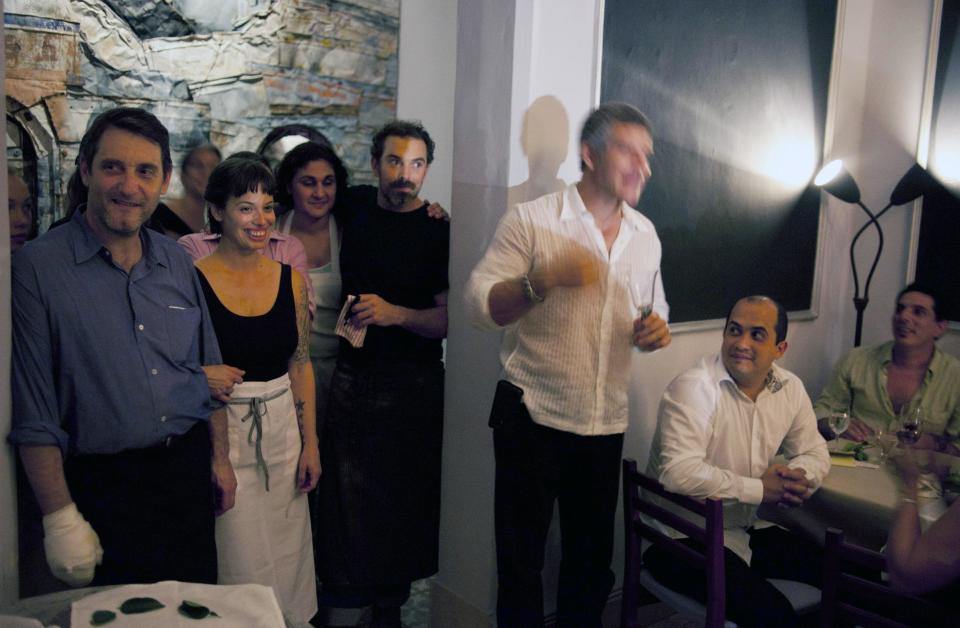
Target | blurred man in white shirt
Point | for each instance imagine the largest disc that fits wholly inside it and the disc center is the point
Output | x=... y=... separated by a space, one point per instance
x=558 y=277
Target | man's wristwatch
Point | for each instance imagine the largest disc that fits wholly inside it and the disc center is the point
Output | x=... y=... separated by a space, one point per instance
x=528 y=291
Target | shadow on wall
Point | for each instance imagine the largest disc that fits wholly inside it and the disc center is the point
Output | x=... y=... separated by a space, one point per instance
x=544 y=138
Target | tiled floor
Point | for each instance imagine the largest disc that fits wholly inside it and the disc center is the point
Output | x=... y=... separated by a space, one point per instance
x=416 y=612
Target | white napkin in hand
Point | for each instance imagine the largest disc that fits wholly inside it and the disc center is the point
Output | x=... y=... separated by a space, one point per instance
x=71 y=545
x=348 y=330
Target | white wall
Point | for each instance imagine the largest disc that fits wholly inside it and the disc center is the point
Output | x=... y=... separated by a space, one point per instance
x=549 y=49
x=425 y=84
x=480 y=165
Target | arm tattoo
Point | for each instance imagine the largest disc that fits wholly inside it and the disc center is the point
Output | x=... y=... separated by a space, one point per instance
x=302 y=354
x=299 y=406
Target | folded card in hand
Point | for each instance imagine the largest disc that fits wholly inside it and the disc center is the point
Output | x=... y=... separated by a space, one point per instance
x=345 y=326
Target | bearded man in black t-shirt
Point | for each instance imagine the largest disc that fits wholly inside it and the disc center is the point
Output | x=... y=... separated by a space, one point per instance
x=381 y=434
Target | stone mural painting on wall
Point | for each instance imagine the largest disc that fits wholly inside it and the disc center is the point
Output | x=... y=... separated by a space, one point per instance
x=225 y=72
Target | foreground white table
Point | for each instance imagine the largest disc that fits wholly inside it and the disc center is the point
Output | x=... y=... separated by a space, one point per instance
x=55 y=608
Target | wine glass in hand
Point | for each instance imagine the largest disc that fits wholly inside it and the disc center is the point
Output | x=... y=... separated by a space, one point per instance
x=912 y=422
x=638 y=295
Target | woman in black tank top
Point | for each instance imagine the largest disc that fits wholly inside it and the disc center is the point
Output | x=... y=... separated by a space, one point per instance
x=259 y=312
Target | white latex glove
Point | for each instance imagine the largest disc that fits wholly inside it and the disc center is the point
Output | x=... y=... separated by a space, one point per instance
x=72 y=547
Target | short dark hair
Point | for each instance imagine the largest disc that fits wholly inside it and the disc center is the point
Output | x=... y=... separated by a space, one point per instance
x=130 y=119
x=780 y=329
x=235 y=176
x=401 y=128
x=300 y=156
x=928 y=290
x=196 y=149
x=596 y=128
x=249 y=154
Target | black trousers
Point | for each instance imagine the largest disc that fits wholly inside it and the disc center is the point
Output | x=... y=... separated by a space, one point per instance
x=751 y=600
x=152 y=509
x=380 y=488
x=536 y=467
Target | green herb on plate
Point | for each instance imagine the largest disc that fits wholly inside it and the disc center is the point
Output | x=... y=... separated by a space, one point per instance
x=193 y=610
x=857 y=450
x=140 y=605
x=100 y=618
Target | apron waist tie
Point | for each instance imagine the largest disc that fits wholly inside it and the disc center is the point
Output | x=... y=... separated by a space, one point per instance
x=258 y=407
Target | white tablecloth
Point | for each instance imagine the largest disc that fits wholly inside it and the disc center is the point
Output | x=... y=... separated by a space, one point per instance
x=56 y=608
x=246 y=605
x=860 y=501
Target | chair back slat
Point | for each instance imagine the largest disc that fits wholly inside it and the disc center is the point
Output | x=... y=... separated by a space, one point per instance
x=710 y=535
x=862 y=556
x=673 y=520
x=854 y=599
x=684 y=552
x=865 y=591
x=865 y=619
x=684 y=501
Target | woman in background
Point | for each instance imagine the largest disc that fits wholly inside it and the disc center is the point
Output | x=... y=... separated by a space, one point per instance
x=20 y=206
x=259 y=310
x=181 y=216
x=308 y=182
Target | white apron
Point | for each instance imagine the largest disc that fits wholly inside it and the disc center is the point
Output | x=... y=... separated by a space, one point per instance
x=265 y=538
x=324 y=342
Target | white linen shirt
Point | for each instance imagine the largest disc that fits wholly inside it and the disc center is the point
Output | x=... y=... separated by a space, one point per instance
x=714 y=441
x=570 y=354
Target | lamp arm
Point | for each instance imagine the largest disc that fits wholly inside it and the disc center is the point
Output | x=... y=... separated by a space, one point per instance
x=853 y=246
x=876 y=258
x=883 y=211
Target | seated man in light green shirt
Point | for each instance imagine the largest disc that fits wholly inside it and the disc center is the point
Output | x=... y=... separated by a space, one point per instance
x=874 y=384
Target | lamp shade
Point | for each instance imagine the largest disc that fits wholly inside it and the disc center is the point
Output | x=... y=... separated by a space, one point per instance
x=915 y=183
x=835 y=179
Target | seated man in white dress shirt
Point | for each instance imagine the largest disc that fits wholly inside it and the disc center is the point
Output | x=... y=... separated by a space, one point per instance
x=720 y=424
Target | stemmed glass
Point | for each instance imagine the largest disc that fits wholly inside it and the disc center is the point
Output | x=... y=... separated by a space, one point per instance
x=885 y=439
x=912 y=422
x=838 y=422
x=643 y=307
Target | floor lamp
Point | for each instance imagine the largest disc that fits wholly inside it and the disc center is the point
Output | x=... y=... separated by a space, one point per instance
x=835 y=179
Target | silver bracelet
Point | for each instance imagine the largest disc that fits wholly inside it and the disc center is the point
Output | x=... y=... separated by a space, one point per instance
x=909 y=500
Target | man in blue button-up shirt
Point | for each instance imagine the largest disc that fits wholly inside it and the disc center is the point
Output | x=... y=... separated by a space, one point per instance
x=110 y=400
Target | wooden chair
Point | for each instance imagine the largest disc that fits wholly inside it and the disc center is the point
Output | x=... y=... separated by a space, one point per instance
x=803 y=597
x=852 y=599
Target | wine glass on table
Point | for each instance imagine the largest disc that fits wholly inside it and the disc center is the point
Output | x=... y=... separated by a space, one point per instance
x=885 y=438
x=838 y=422
x=911 y=420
